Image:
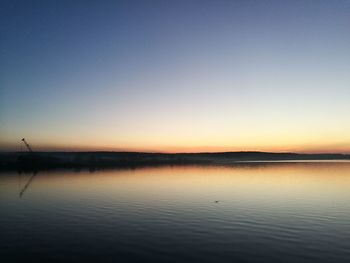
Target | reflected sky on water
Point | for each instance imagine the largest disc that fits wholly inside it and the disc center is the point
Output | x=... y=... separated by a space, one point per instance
x=295 y=212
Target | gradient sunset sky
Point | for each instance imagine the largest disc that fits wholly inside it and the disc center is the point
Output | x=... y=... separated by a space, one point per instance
x=175 y=76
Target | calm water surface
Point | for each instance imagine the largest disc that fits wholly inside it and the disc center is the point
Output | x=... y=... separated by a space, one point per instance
x=273 y=212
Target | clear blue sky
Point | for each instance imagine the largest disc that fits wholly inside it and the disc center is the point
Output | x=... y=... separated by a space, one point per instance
x=175 y=75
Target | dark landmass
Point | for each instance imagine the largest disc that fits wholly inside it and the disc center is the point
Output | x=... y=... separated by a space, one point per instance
x=52 y=160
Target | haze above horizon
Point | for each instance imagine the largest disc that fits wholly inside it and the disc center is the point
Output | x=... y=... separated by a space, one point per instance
x=175 y=76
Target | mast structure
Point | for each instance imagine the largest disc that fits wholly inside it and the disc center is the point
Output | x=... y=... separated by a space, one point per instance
x=27 y=145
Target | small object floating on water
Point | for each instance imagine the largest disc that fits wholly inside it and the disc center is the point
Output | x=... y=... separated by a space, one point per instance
x=216 y=201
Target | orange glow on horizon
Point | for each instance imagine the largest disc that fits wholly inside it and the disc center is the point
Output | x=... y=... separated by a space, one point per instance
x=180 y=142
x=311 y=149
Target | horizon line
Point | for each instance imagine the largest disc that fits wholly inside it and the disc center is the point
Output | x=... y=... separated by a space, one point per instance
x=174 y=153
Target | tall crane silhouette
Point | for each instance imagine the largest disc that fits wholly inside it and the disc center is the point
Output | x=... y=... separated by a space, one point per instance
x=27 y=145
x=31 y=159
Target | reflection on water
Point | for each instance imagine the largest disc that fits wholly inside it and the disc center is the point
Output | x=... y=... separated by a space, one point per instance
x=290 y=212
x=24 y=188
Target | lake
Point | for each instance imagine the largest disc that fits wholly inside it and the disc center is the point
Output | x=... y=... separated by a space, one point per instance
x=249 y=212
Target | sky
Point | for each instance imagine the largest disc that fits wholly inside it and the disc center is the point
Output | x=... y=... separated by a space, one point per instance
x=175 y=76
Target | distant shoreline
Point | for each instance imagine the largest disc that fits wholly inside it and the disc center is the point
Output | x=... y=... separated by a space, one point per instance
x=48 y=160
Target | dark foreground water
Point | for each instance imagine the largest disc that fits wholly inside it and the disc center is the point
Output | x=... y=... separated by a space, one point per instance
x=272 y=212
